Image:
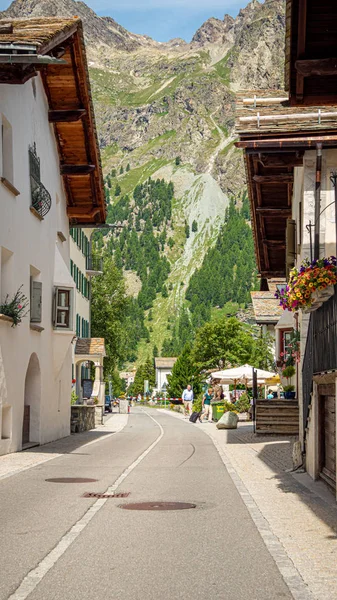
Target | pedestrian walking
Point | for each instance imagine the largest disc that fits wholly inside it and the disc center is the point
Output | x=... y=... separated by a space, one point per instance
x=206 y=405
x=187 y=397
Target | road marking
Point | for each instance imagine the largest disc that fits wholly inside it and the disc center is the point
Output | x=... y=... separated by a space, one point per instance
x=35 y=576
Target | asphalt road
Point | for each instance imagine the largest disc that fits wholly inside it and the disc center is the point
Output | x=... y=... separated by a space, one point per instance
x=211 y=552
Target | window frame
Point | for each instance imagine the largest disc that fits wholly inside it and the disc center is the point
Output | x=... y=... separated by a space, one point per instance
x=69 y=309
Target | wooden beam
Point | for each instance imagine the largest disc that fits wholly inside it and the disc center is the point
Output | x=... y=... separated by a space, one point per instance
x=66 y=116
x=281 y=178
x=279 y=211
x=279 y=160
x=275 y=244
x=320 y=67
x=77 y=170
x=76 y=212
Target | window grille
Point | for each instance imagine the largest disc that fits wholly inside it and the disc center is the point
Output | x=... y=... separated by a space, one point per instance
x=40 y=197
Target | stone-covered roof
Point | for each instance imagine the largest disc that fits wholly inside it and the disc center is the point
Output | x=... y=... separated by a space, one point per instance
x=165 y=363
x=90 y=346
x=267 y=308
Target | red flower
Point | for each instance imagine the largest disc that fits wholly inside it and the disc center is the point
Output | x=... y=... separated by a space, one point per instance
x=73 y=381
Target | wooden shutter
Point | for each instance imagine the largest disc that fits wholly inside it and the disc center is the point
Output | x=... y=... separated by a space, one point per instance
x=36 y=302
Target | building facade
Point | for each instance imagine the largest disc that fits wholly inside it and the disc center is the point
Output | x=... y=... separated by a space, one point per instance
x=44 y=183
x=290 y=150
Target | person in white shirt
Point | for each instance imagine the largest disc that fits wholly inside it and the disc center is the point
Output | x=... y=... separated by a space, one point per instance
x=187 y=397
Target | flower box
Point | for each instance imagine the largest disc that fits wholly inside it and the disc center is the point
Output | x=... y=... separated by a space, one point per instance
x=309 y=286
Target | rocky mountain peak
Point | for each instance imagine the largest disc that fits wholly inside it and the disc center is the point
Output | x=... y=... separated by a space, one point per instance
x=97 y=30
x=212 y=31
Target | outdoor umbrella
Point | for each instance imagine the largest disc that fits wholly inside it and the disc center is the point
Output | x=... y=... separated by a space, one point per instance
x=244 y=374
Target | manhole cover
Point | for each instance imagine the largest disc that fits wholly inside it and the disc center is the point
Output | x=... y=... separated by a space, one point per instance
x=99 y=495
x=71 y=480
x=158 y=506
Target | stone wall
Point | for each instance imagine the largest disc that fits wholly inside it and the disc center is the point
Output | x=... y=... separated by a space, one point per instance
x=82 y=418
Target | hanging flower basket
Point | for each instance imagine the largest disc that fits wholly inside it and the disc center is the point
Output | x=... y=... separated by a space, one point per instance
x=309 y=286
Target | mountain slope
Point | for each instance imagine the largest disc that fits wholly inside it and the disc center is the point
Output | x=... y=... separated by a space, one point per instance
x=166 y=110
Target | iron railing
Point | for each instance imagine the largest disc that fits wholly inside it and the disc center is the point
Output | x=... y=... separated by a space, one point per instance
x=94 y=264
x=321 y=348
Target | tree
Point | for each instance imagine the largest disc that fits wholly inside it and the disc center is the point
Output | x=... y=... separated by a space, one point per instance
x=155 y=352
x=184 y=372
x=128 y=167
x=178 y=160
x=118 y=190
x=187 y=230
x=145 y=372
x=171 y=242
x=194 y=226
x=164 y=292
x=121 y=170
x=108 y=307
x=113 y=173
x=262 y=356
x=225 y=339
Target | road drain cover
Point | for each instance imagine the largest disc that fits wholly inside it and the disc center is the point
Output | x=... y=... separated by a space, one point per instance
x=158 y=506
x=71 y=480
x=99 y=495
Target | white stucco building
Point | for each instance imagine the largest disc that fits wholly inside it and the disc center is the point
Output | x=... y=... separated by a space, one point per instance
x=163 y=368
x=49 y=174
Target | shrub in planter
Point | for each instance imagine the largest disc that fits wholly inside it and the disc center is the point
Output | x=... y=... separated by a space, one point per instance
x=289 y=392
x=242 y=405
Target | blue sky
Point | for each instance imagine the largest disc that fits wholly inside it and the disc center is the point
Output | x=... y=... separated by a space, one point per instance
x=162 y=19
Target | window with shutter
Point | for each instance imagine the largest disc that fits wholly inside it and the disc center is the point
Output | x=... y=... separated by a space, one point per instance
x=63 y=308
x=36 y=302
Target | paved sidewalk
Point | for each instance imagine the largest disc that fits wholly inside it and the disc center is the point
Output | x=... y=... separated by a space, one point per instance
x=301 y=513
x=11 y=464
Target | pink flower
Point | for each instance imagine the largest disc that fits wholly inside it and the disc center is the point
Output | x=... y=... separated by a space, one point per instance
x=19 y=306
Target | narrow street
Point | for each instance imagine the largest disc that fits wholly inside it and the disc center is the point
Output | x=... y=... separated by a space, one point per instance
x=212 y=551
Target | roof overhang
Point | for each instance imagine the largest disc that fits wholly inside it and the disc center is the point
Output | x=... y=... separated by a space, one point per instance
x=274 y=138
x=311 y=52
x=54 y=48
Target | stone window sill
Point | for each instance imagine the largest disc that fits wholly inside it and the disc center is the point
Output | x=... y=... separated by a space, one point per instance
x=9 y=186
x=6 y=318
x=36 y=327
x=35 y=213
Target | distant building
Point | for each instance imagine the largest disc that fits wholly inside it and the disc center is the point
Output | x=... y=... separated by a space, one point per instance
x=50 y=176
x=163 y=368
x=128 y=376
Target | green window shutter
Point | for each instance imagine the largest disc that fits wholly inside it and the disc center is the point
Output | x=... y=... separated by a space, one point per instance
x=36 y=302
x=71 y=267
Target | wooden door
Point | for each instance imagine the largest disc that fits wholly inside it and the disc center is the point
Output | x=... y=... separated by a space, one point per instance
x=327 y=409
x=26 y=424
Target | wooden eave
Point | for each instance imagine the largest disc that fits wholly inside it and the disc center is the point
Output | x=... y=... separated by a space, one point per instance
x=71 y=112
x=311 y=52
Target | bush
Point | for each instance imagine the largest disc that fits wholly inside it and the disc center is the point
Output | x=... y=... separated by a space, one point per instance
x=289 y=371
x=243 y=404
x=197 y=404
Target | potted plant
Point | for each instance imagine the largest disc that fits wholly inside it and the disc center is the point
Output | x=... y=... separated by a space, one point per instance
x=289 y=389
x=309 y=286
x=16 y=308
x=242 y=405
